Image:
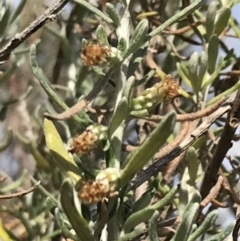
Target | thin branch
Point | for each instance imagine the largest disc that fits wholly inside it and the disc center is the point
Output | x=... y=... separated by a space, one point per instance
x=172 y=166
x=222 y=147
x=176 y=141
x=20 y=194
x=213 y=193
x=48 y=16
x=191 y=116
x=84 y=102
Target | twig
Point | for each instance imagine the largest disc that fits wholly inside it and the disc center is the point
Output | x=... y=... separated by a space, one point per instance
x=172 y=167
x=222 y=147
x=183 y=29
x=20 y=194
x=84 y=102
x=213 y=193
x=153 y=169
x=48 y=16
x=176 y=141
x=191 y=116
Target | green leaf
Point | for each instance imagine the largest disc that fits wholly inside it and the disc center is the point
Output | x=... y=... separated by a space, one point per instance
x=222 y=20
x=210 y=18
x=98 y=70
x=152 y=230
x=188 y=219
x=102 y=35
x=212 y=53
x=203 y=65
x=59 y=152
x=147 y=212
x=138 y=37
x=223 y=94
x=132 y=235
x=222 y=235
x=205 y=225
x=142 y=202
x=119 y=116
x=193 y=71
x=127 y=90
x=122 y=45
x=184 y=74
x=191 y=157
x=136 y=59
x=78 y=223
x=141 y=155
x=93 y=9
x=113 y=14
x=215 y=74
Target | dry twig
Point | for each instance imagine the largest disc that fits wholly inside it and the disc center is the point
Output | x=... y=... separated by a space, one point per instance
x=191 y=116
x=213 y=193
x=20 y=194
x=48 y=16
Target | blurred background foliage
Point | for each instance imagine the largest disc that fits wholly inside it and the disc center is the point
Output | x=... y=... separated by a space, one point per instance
x=46 y=74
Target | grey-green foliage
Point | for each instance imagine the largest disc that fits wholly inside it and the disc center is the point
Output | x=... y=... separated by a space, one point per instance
x=102 y=94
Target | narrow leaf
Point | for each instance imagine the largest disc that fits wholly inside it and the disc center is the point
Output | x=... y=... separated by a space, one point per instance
x=206 y=224
x=141 y=155
x=59 y=152
x=78 y=223
x=212 y=53
x=152 y=231
x=210 y=18
x=147 y=212
x=138 y=37
x=113 y=14
x=222 y=20
x=188 y=219
x=102 y=35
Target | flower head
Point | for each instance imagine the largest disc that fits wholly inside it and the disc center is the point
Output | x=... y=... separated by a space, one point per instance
x=168 y=88
x=88 y=140
x=97 y=54
x=103 y=187
x=94 y=53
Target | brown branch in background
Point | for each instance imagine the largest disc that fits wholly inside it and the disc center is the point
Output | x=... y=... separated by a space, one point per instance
x=184 y=29
x=79 y=106
x=213 y=193
x=154 y=168
x=48 y=16
x=222 y=147
x=175 y=142
x=171 y=167
x=219 y=204
x=167 y=148
x=231 y=73
x=19 y=194
x=191 y=116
